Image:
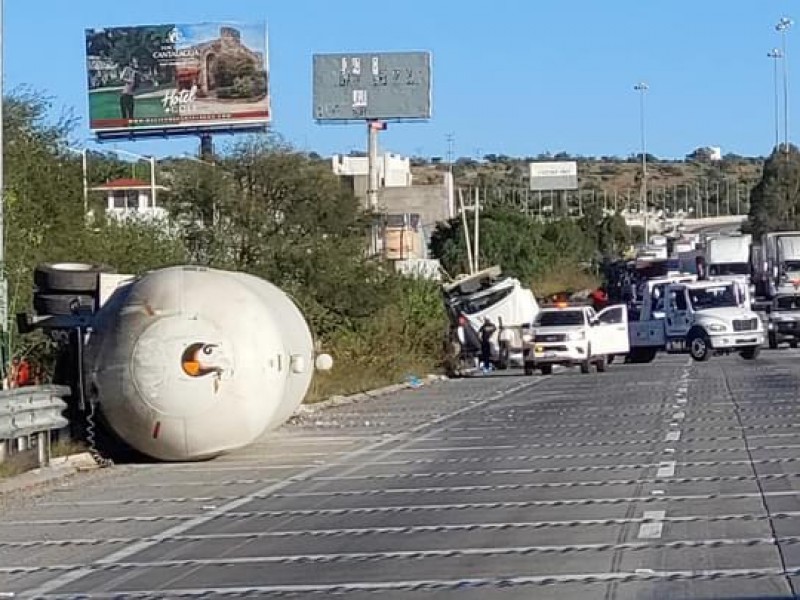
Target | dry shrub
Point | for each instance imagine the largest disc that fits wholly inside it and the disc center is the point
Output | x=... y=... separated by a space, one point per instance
x=401 y=340
x=564 y=279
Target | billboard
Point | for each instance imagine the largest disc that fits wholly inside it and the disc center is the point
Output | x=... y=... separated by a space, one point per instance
x=170 y=78
x=372 y=86
x=560 y=175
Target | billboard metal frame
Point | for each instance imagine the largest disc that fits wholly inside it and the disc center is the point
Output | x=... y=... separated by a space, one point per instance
x=210 y=119
x=558 y=181
x=386 y=118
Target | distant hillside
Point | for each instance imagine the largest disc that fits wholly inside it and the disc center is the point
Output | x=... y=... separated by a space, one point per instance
x=597 y=174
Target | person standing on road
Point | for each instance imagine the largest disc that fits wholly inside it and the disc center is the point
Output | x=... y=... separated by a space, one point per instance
x=486 y=331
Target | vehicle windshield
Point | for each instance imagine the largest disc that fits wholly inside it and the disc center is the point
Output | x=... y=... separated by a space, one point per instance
x=792 y=266
x=787 y=303
x=723 y=269
x=559 y=318
x=713 y=297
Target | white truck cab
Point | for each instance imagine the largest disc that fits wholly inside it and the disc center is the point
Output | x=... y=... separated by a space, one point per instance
x=575 y=336
x=701 y=318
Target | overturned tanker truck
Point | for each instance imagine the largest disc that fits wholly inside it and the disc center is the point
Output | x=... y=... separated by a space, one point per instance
x=181 y=363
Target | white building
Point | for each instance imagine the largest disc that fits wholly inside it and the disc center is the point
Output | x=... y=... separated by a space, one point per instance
x=393 y=171
x=132 y=198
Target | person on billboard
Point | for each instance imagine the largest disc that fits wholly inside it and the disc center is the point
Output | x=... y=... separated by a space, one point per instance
x=131 y=78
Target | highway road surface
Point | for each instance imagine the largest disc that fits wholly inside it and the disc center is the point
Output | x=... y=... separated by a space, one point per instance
x=668 y=480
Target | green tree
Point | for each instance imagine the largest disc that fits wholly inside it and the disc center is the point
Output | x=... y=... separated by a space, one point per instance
x=274 y=212
x=44 y=208
x=775 y=201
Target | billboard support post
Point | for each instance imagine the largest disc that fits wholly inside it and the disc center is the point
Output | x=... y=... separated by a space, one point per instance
x=206 y=147
x=372 y=160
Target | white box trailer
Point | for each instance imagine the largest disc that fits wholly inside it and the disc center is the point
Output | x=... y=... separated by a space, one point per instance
x=778 y=264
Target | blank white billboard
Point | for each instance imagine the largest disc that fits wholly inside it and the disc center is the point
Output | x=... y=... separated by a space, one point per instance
x=554 y=175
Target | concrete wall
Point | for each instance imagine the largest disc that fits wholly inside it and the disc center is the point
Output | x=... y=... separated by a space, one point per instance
x=433 y=203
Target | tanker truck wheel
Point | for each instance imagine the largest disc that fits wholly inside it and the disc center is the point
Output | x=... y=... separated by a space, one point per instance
x=68 y=277
x=62 y=304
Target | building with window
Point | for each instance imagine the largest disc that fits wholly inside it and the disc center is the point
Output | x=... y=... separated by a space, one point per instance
x=132 y=198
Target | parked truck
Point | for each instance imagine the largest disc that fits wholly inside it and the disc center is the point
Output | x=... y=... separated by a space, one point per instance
x=488 y=294
x=777 y=264
x=702 y=318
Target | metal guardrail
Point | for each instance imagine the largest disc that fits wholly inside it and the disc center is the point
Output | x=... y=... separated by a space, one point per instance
x=31 y=411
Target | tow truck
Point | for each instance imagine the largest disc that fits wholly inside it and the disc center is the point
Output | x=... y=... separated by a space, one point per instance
x=702 y=318
x=783 y=320
x=575 y=335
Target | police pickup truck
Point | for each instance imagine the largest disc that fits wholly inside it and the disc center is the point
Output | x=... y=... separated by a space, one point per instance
x=572 y=335
x=702 y=318
x=783 y=320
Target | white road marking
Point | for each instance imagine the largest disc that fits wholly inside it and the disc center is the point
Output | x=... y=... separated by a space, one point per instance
x=347 y=457
x=666 y=469
x=652 y=531
x=673 y=436
x=679 y=415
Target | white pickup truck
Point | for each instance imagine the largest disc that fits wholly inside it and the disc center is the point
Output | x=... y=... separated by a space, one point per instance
x=575 y=336
x=700 y=317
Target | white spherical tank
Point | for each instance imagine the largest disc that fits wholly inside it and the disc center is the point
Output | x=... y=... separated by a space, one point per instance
x=188 y=362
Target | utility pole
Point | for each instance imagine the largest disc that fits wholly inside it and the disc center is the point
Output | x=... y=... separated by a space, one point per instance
x=782 y=27
x=450 y=157
x=477 y=229
x=153 y=182
x=775 y=54
x=642 y=89
x=3 y=271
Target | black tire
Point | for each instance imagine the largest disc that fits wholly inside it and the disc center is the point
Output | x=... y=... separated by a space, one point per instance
x=650 y=355
x=547 y=369
x=793 y=344
x=528 y=368
x=610 y=359
x=773 y=340
x=750 y=353
x=62 y=304
x=503 y=357
x=68 y=277
x=699 y=346
x=601 y=364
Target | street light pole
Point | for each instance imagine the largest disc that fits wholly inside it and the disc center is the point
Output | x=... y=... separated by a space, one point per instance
x=775 y=54
x=782 y=27
x=642 y=89
x=85 y=177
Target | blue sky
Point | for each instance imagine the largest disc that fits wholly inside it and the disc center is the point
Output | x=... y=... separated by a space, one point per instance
x=517 y=77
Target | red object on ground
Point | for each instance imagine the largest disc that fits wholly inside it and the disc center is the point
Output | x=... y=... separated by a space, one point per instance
x=23 y=375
